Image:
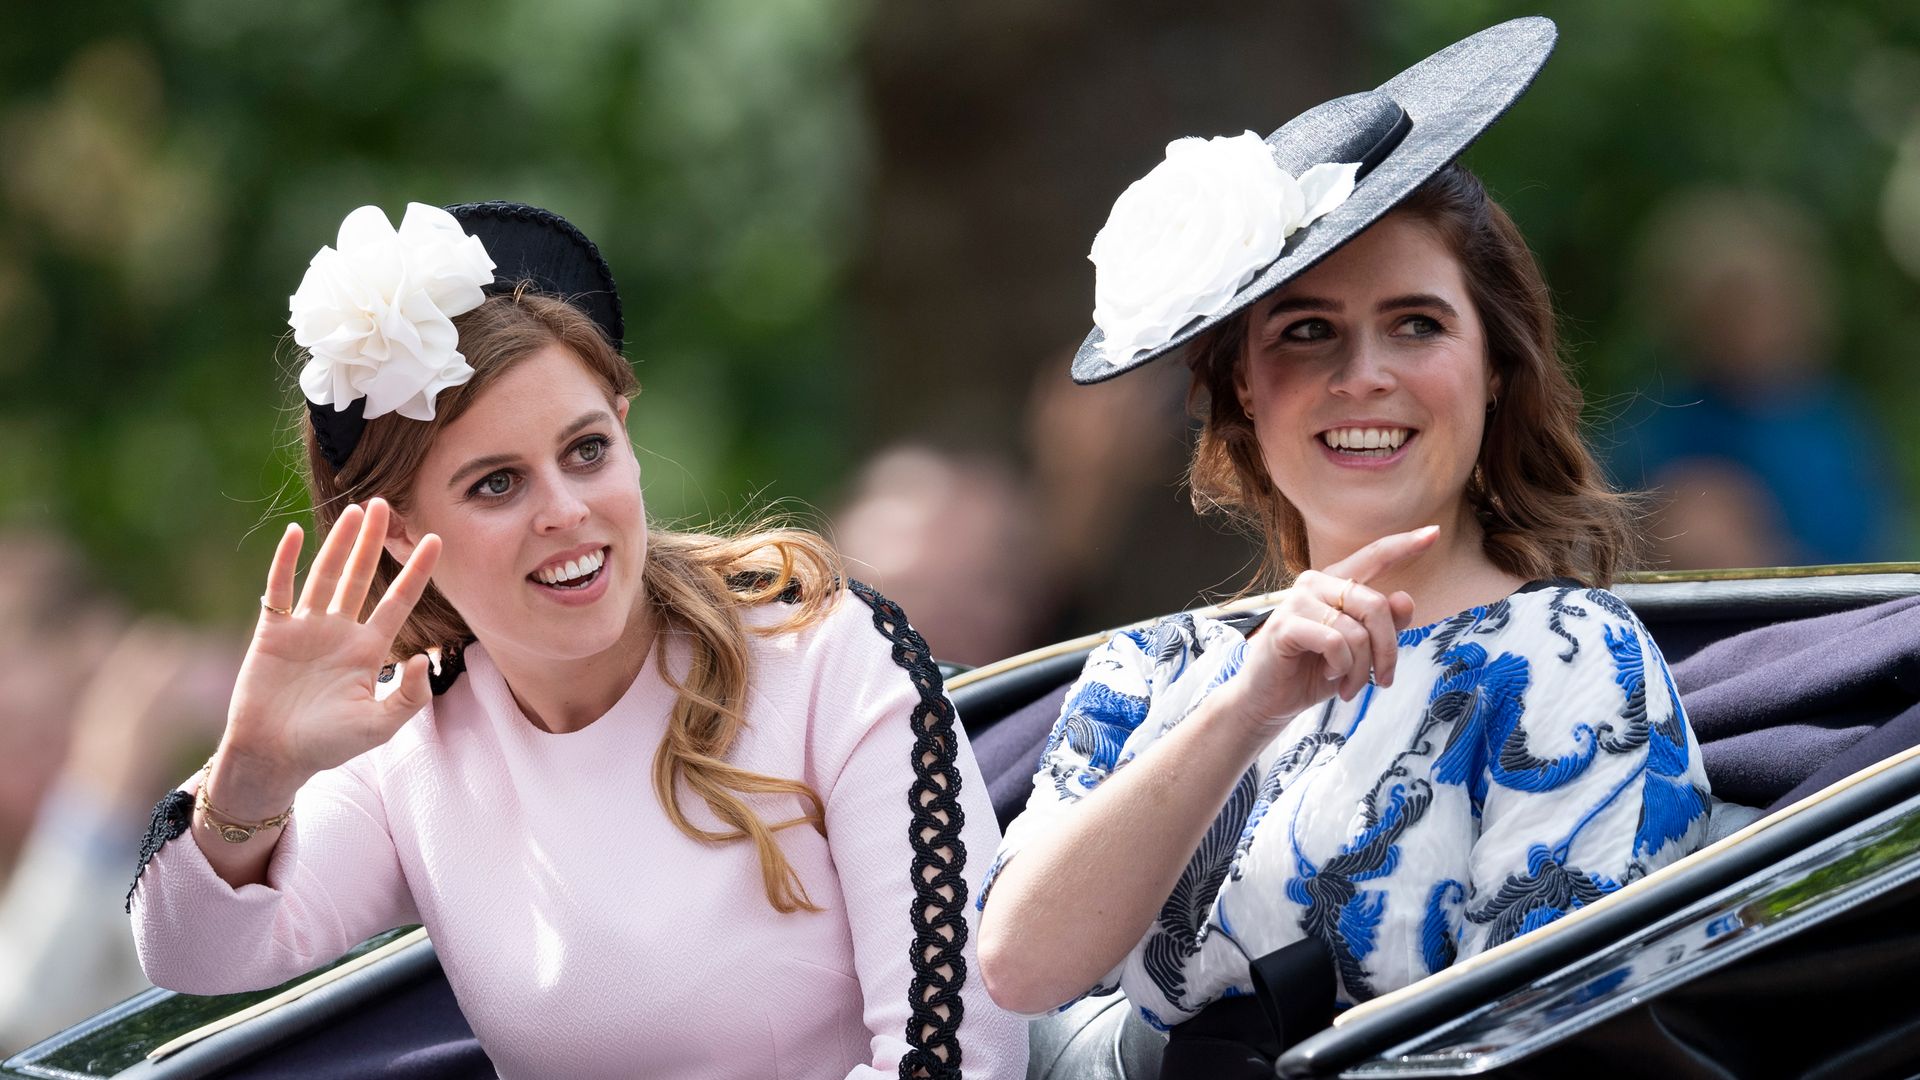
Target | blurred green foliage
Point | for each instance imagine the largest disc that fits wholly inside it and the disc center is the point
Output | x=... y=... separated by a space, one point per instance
x=166 y=170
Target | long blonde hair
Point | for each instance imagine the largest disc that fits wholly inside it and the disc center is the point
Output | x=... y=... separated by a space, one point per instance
x=1544 y=507
x=696 y=584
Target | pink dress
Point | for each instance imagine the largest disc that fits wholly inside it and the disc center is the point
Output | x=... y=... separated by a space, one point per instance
x=583 y=934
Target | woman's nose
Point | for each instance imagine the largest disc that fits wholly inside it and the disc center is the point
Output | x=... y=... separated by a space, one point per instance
x=563 y=509
x=1364 y=370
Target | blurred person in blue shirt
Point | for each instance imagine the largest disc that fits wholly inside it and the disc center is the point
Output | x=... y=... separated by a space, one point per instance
x=1757 y=451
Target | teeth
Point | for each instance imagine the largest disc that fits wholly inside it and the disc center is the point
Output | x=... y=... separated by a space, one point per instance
x=573 y=568
x=1388 y=439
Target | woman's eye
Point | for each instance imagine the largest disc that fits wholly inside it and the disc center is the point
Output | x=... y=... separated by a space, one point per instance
x=494 y=485
x=590 y=451
x=1420 y=326
x=1308 y=330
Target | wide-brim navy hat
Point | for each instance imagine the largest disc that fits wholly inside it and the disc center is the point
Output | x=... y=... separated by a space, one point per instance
x=1401 y=134
x=530 y=247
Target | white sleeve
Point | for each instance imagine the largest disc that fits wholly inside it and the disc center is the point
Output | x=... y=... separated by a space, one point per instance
x=1102 y=710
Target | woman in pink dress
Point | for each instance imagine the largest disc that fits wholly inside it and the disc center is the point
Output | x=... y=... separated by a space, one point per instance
x=668 y=804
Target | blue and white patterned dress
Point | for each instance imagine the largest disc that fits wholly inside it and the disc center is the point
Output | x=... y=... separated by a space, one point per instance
x=1530 y=757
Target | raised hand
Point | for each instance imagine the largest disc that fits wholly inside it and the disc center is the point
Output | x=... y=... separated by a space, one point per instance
x=305 y=700
x=1329 y=633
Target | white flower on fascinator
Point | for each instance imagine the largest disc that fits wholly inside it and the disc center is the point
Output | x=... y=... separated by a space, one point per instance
x=375 y=312
x=1183 y=239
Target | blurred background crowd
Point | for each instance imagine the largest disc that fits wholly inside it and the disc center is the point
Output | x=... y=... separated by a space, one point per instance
x=851 y=243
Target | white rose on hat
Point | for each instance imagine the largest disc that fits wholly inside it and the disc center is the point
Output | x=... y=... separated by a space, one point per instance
x=1183 y=239
x=375 y=312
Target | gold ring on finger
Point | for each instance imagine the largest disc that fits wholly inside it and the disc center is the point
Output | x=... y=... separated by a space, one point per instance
x=1340 y=602
x=276 y=610
x=1332 y=614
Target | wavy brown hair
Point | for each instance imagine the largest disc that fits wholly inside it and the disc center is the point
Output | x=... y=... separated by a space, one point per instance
x=1541 y=500
x=695 y=584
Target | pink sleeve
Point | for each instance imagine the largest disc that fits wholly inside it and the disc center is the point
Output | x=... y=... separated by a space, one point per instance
x=870 y=822
x=333 y=882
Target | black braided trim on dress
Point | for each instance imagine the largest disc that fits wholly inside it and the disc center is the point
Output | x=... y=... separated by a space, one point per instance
x=939 y=922
x=172 y=816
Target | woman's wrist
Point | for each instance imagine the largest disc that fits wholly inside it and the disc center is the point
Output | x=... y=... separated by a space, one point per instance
x=1243 y=730
x=246 y=786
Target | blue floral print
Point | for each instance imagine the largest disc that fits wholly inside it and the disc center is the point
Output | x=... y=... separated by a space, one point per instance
x=1530 y=758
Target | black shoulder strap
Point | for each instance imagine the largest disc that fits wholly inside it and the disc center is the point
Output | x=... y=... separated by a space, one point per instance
x=453 y=664
x=749 y=580
x=939 y=922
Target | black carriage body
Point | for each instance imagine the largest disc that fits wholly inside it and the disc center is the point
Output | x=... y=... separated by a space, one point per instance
x=1784 y=950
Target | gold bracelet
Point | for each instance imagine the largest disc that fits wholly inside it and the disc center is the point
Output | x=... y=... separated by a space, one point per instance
x=233 y=832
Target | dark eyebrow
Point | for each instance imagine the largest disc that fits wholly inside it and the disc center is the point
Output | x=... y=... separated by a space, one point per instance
x=597 y=416
x=1419 y=300
x=1304 y=303
x=494 y=461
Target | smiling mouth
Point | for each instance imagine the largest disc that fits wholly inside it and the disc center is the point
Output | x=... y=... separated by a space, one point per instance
x=572 y=574
x=1370 y=442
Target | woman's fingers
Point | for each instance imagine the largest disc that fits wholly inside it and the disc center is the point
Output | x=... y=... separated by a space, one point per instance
x=1353 y=677
x=1365 y=615
x=1383 y=554
x=368 y=544
x=1373 y=613
x=407 y=588
x=323 y=578
x=1342 y=586
x=281 y=572
x=410 y=696
x=1301 y=636
x=1360 y=644
x=1402 y=607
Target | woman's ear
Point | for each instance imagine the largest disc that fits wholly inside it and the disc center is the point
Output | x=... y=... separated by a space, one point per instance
x=400 y=540
x=620 y=407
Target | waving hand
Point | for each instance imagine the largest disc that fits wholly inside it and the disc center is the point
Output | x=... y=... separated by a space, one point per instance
x=305 y=700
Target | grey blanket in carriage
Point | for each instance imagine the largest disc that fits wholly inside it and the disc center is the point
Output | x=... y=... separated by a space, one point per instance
x=1785 y=710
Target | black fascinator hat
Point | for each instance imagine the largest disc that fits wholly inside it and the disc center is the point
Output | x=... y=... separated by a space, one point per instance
x=527 y=245
x=531 y=244
x=1392 y=140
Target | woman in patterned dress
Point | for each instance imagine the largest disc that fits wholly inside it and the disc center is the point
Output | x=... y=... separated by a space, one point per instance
x=1447 y=733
